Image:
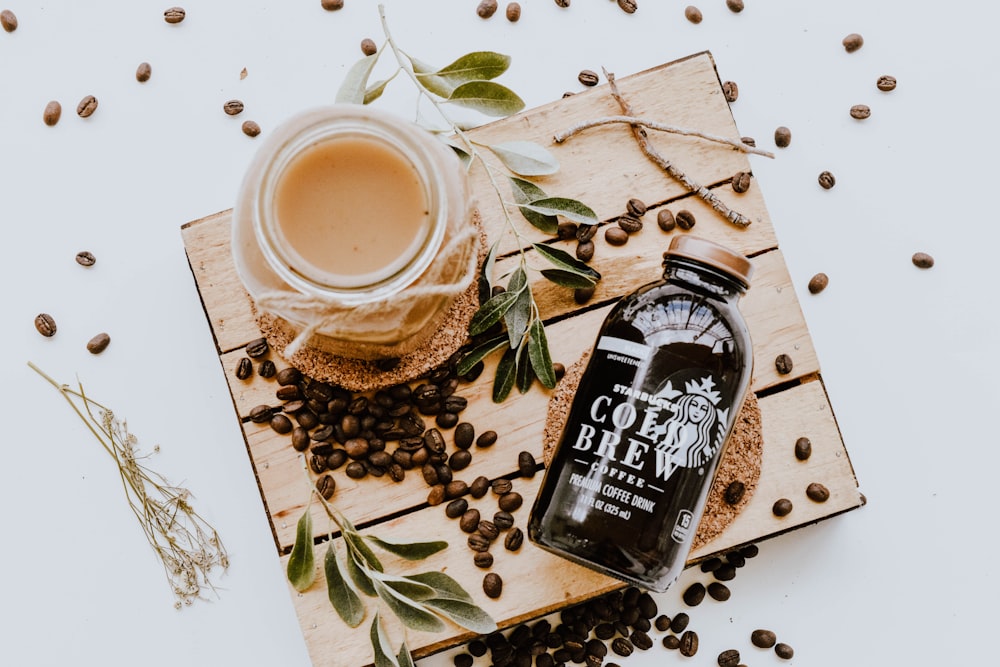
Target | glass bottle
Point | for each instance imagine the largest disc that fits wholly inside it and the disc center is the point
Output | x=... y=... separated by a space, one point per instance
x=629 y=478
x=363 y=262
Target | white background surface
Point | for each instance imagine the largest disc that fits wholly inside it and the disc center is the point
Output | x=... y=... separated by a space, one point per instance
x=908 y=356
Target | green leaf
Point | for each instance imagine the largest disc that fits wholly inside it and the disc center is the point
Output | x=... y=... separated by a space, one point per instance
x=517 y=316
x=475 y=66
x=465 y=614
x=302 y=562
x=407 y=587
x=381 y=645
x=526 y=158
x=524 y=191
x=479 y=352
x=503 y=381
x=412 y=614
x=405 y=659
x=352 y=90
x=538 y=354
x=409 y=550
x=524 y=375
x=374 y=91
x=569 y=279
x=345 y=601
x=563 y=260
x=463 y=155
x=444 y=585
x=571 y=209
x=356 y=544
x=359 y=576
x=427 y=78
x=487 y=97
x=490 y=312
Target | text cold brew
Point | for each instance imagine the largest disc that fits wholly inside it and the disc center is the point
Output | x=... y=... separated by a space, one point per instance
x=666 y=378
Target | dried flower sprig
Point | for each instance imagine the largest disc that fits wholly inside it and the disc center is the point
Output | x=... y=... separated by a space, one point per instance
x=187 y=546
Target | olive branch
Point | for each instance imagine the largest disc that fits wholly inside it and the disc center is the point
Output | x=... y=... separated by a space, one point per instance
x=420 y=601
x=468 y=82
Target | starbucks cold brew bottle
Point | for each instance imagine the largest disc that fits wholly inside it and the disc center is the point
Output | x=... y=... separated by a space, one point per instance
x=667 y=376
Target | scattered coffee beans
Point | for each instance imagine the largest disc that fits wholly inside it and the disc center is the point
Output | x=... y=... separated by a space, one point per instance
x=782 y=137
x=783 y=364
x=817 y=492
x=52 y=113
x=636 y=207
x=244 y=368
x=679 y=623
x=368 y=46
x=8 y=20
x=514 y=539
x=326 y=486
x=85 y=258
x=762 y=638
x=257 y=348
x=665 y=220
x=486 y=9
x=250 y=128
x=729 y=658
x=332 y=5
x=734 y=492
x=86 y=107
x=615 y=236
x=267 y=369
x=730 y=90
x=784 y=651
x=693 y=14
x=694 y=594
x=233 y=107
x=585 y=251
x=885 y=83
x=174 y=15
x=45 y=325
x=630 y=223
x=143 y=72
x=684 y=219
x=803 y=449
x=492 y=585
x=588 y=77
x=628 y=6
x=818 y=283
x=735 y=6
x=513 y=12
x=689 y=643
x=98 y=343
x=782 y=507
x=622 y=646
x=853 y=42
x=826 y=180
x=860 y=111
x=487 y=439
x=922 y=260
x=526 y=464
x=741 y=182
x=510 y=502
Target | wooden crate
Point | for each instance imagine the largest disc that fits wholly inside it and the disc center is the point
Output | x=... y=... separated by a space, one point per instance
x=603 y=168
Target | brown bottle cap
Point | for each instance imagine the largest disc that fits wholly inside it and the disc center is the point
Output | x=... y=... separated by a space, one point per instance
x=707 y=252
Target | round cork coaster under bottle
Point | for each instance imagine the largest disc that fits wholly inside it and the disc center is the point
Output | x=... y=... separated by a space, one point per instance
x=361 y=375
x=740 y=460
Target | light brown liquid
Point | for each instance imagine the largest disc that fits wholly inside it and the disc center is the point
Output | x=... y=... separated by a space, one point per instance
x=351 y=207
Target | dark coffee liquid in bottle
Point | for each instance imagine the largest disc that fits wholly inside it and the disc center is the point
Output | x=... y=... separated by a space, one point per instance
x=667 y=376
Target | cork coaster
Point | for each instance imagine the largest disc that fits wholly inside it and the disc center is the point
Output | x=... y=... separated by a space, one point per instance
x=361 y=375
x=740 y=460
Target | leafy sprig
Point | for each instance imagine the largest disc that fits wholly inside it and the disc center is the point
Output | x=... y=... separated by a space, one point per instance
x=468 y=82
x=421 y=601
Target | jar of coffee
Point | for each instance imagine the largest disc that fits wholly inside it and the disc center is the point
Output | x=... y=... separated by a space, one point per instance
x=355 y=228
x=630 y=476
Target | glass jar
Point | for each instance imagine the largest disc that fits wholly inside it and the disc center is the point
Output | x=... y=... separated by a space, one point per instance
x=355 y=228
x=630 y=476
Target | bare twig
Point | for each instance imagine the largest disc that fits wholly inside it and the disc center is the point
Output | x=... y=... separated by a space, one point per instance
x=650 y=151
x=660 y=127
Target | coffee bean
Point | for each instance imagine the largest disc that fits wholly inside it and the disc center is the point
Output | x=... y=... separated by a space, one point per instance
x=233 y=107
x=730 y=90
x=332 y=5
x=735 y=6
x=479 y=486
x=250 y=128
x=636 y=207
x=736 y=559
x=45 y=325
x=174 y=15
x=628 y=6
x=750 y=551
x=244 y=368
x=615 y=236
x=853 y=42
x=582 y=295
x=665 y=220
x=729 y=658
x=719 y=592
x=488 y=529
x=922 y=260
x=689 y=643
x=622 y=646
x=460 y=460
x=486 y=8
x=726 y=572
x=826 y=180
x=741 y=182
x=784 y=651
x=300 y=439
x=588 y=77
x=98 y=343
x=630 y=223
x=734 y=492
x=685 y=219
x=368 y=46
x=526 y=464
x=492 y=585
x=782 y=507
x=483 y=559
x=503 y=520
x=694 y=594
x=8 y=20
x=566 y=231
x=559 y=370
x=641 y=640
x=357 y=470
x=288 y=376
x=662 y=623
x=267 y=369
x=479 y=542
x=143 y=72
x=86 y=107
x=469 y=521
x=261 y=413
x=749 y=141
x=513 y=12
x=52 y=113
x=562 y=3
x=455 y=489
x=818 y=283
x=436 y=495
x=693 y=14
x=510 y=502
x=711 y=564
x=680 y=623
x=762 y=638
x=585 y=251
x=860 y=111
x=326 y=486
x=671 y=642
x=783 y=364
x=257 y=348
x=886 y=83
x=514 y=539
x=782 y=137
x=486 y=439
x=817 y=492
x=501 y=486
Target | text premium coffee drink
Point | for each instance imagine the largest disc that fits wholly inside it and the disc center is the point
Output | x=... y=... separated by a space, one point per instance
x=667 y=376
